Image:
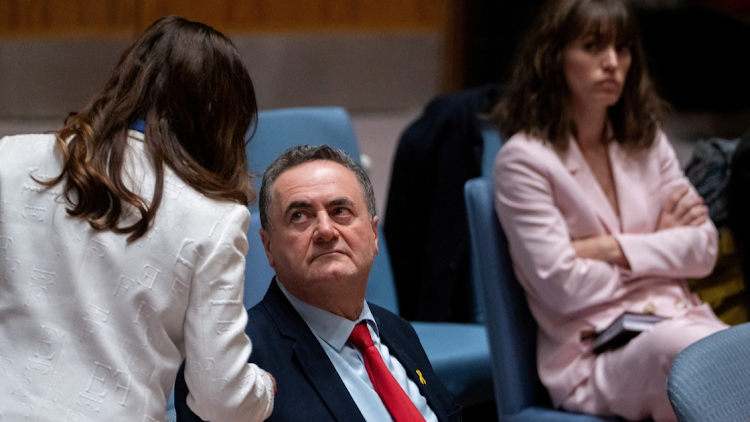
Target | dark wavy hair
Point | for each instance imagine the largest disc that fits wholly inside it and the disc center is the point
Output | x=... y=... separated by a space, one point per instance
x=187 y=82
x=302 y=154
x=536 y=102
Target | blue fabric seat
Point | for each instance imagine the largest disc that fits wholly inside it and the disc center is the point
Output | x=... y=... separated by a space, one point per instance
x=459 y=353
x=519 y=395
x=710 y=380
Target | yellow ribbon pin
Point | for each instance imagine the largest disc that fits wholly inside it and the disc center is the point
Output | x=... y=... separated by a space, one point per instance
x=421 y=378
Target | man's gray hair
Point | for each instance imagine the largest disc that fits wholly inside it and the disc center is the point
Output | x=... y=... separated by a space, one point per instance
x=298 y=155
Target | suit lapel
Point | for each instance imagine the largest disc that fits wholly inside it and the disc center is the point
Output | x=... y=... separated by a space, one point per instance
x=627 y=167
x=312 y=359
x=579 y=169
x=326 y=381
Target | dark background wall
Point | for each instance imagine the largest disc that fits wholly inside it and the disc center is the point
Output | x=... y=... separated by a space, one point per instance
x=699 y=53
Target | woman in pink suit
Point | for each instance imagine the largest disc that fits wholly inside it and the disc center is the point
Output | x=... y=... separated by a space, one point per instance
x=600 y=219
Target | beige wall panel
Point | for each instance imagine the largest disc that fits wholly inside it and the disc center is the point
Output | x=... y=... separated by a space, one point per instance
x=301 y=15
x=22 y=16
x=416 y=14
x=243 y=14
x=360 y=54
x=214 y=12
x=92 y=17
x=338 y=13
x=434 y=12
x=292 y=13
x=47 y=78
x=4 y=14
x=66 y=17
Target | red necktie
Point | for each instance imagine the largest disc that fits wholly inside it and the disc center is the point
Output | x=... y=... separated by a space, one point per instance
x=399 y=404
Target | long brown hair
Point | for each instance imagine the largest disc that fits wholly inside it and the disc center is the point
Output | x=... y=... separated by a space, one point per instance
x=187 y=82
x=537 y=98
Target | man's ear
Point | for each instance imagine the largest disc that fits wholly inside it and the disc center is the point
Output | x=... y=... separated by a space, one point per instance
x=266 y=239
x=374 y=223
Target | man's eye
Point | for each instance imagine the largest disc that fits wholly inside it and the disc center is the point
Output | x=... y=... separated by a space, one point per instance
x=341 y=211
x=297 y=216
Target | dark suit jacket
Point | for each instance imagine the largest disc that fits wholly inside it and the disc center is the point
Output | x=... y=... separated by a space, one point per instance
x=429 y=249
x=309 y=388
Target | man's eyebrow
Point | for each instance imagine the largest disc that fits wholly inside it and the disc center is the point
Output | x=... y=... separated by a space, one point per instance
x=295 y=205
x=341 y=201
x=302 y=204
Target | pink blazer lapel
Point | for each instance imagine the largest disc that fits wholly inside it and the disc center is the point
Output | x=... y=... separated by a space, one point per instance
x=634 y=185
x=584 y=177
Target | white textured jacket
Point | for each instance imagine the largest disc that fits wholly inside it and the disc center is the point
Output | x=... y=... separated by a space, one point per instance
x=93 y=328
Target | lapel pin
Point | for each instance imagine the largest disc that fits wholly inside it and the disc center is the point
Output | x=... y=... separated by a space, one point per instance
x=421 y=378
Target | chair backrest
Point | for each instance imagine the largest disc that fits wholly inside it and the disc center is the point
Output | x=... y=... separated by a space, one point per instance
x=510 y=326
x=277 y=131
x=492 y=140
x=258 y=274
x=281 y=129
x=710 y=380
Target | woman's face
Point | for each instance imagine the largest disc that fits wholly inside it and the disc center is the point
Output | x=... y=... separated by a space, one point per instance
x=595 y=71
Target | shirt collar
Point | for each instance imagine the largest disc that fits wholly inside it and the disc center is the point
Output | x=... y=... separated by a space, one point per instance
x=329 y=327
x=138 y=136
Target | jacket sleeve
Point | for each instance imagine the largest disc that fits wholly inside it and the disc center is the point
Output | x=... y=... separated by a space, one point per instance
x=223 y=385
x=538 y=235
x=678 y=252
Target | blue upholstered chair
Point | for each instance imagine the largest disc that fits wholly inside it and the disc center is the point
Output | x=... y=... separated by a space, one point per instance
x=459 y=353
x=519 y=395
x=492 y=140
x=710 y=379
x=281 y=129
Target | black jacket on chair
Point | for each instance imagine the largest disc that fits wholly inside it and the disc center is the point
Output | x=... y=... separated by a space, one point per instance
x=425 y=219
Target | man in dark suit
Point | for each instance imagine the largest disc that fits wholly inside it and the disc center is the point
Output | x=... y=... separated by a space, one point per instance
x=319 y=230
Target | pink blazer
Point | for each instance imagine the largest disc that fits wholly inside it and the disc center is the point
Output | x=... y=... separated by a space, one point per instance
x=546 y=199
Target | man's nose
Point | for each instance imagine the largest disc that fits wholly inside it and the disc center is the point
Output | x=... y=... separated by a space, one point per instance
x=325 y=230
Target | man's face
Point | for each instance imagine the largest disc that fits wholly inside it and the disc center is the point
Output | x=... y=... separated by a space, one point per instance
x=321 y=241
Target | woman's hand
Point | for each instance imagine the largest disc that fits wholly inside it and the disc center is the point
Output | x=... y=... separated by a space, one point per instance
x=601 y=248
x=682 y=208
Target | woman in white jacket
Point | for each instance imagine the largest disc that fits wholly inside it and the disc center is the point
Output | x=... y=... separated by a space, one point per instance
x=122 y=243
x=600 y=218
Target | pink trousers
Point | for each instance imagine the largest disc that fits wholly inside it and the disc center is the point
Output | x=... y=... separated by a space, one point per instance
x=631 y=382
